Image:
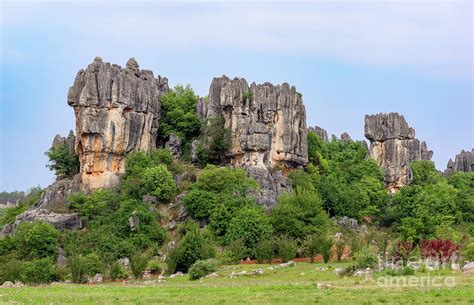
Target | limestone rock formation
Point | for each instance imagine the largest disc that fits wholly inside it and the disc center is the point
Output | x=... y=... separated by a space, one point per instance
x=174 y=145
x=463 y=162
x=321 y=132
x=117 y=111
x=394 y=146
x=69 y=141
x=51 y=207
x=267 y=126
x=267 y=122
x=345 y=137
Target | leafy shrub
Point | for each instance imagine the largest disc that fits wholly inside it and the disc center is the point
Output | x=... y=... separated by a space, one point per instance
x=7 y=245
x=468 y=252
x=155 y=266
x=117 y=272
x=439 y=249
x=299 y=214
x=78 y=270
x=237 y=249
x=286 y=248
x=98 y=204
x=408 y=271
x=63 y=160
x=9 y=214
x=38 y=271
x=311 y=246
x=302 y=181
x=92 y=264
x=202 y=268
x=366 y=258
x=403 y=250
x=200 y=204
x=10 y=268
x=324 y=247
x=340 y=246
x=224 y=180
x=402 y=272
x=194 y=246
x=264 y=251
x=158 y=182
x=138 y=263
x=36 y=239
x=250 y=225
x=161 y=156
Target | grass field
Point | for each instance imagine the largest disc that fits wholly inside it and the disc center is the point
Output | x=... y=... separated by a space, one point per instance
x=292 y=285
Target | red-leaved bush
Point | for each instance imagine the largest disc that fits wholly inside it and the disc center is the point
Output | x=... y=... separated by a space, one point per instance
x=439 y=248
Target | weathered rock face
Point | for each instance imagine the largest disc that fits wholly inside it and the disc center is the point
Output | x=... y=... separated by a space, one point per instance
x=321 y=132
x=267 y=123
x=51 y=207
x=267 y=126
x=117 y=111
x=463 y=162
x=394 y=146
x=69 y=141
x=174 y=145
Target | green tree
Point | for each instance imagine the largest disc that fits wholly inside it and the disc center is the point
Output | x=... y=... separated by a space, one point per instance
x=63 y=161
x=158 y=181
x=250 y=225
x=195 y=245
x=36 y=239
x=200 y=204
x=179 y=116
x=299 y=214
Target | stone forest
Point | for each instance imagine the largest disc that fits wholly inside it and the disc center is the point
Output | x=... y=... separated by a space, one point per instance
x=160 y=188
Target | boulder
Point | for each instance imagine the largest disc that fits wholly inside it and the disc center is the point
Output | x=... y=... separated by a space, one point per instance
x=61 y=221
x=394 y=146
x=174 y=145
x=117 y=111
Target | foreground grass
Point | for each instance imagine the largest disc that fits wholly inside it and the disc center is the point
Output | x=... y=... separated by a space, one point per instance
x=294 y=285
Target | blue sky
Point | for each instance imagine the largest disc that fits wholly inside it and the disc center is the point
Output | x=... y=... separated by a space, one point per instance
x=347 y=58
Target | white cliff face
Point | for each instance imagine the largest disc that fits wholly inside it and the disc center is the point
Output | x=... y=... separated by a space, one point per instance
x=117 y=111
x=394 y=146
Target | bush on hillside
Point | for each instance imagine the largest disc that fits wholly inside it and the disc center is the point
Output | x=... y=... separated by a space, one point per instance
x=195 y=245
x=202 y=268
x=36 y=239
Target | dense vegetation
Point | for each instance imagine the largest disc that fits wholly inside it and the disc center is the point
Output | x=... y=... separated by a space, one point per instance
x=63 y=161
x=125 y=231
x=179 y=117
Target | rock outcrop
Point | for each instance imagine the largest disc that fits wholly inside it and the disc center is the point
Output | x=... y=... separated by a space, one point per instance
x=69 y=141
x=267 y=126
x=394 y=146
x=51 y=207
x=463 y=162
x=117 y=111
x=321 y=132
